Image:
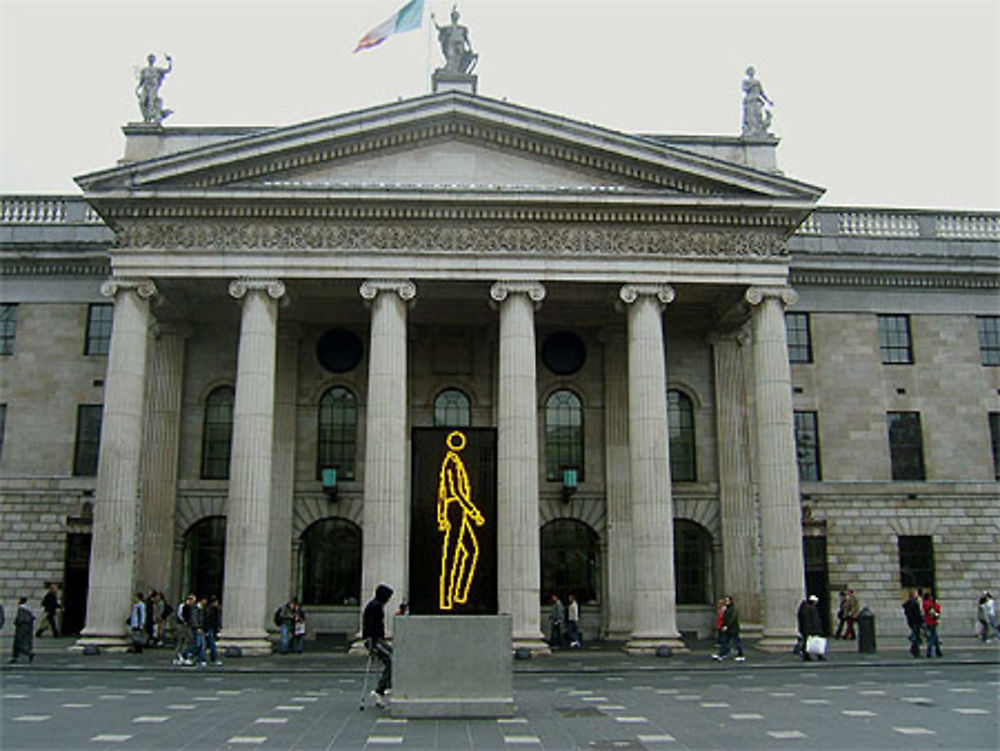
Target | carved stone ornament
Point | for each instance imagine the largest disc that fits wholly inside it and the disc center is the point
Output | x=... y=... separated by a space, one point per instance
x=274 y=288
x=371 y=288
x=567 y=239
x=144 y=288
x=629 y=293
x=756 y=295
x=535 y=291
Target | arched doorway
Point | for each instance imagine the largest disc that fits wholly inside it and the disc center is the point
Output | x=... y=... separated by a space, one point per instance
x=205 y=557
x=570 y=561
x=692 y=563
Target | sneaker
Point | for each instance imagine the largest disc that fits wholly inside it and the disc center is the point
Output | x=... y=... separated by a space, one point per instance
x=202 y=664
x=186 y=662
x=379 y=701
x=216 y=662
x=741 y=658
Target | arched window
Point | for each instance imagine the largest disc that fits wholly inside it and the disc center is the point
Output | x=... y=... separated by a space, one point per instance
x=451 y=409
x=692 y=563
x=570 y=561
x=331 y=563
x=680 y=418
x=217 y=437
x=204 y=557
x=338 y=430
x=563 y=435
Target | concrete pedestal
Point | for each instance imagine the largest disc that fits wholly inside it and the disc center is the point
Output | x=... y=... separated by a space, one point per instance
x=452 y=666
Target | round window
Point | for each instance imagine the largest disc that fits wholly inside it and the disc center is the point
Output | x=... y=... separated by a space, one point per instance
x=563 y=353
x=339 y=350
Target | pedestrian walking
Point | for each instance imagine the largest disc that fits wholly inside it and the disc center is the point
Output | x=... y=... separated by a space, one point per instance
x=373 y=632
x=731 y=631
x=913 y=612
x=298 y=627
x=811 y=630
x=841 y=614
x=185 y=634
x=932 y=619
x=557 y=622
x=573 y=622
x=284 y=619
x=986 y=613
x=213 y=624
x=198 y=619
x=51 y=606
x=137 y=624
x=24 y=632
x=852 y=609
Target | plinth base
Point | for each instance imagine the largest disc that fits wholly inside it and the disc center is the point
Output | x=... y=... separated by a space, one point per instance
x=776 y=643
x=102 y=642
x=249 y=647
x=650 y=646
x=443 y=80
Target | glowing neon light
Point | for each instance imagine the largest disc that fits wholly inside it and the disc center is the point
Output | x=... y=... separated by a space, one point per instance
x=459 y=552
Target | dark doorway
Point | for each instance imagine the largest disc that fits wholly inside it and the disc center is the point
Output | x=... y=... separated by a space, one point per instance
x=76 y=581
x=205 y=556
x=817 y=576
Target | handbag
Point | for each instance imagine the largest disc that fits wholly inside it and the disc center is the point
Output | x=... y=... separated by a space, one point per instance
x=816 y=645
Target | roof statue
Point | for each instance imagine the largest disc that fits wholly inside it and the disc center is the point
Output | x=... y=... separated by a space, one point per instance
x=148 y=91
x=455 y=46
x=756 y=119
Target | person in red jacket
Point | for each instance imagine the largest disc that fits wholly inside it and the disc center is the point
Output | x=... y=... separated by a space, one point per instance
x=932 y=617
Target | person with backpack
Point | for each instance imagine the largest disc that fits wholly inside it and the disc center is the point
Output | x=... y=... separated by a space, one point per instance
x=185 y=634
x=284 y=619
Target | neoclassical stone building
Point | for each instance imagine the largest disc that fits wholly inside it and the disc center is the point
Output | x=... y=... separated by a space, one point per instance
x=688 y=378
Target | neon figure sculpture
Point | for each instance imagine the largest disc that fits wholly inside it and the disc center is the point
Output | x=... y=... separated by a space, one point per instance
x=455 y=513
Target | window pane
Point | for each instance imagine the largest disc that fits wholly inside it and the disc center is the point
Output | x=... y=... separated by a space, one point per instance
x=99 y=319
x=218 y=434
x=807 y=446
x=338 y=428
x=88 y=440
x=692 y=563
x=451 y=409
x=906 y=446
x=989 y=339
x=994 y=418
x=570 y=561
x=331 y=563
x=894 y=339
x=799 y=337
x=8 y=327
x=563 y=435
x=680 y=418
x=916 y=562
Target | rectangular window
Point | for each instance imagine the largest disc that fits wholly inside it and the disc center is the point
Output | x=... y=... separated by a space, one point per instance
x=99 y=329
x=989 y=339
x=994 y=418
x=894 y=339
x=3 y=425
x=906 y=448
x=916 y=562
x=799 y=337
x=88 y=440
x=807 y=446
x=8 y=327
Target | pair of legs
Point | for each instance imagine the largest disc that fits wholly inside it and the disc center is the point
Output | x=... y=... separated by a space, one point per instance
x=933 y=642
x=382 y=651
x=914 y=638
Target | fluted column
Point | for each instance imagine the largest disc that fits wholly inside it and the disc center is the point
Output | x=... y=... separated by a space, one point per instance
x=780 y=514
x=248 y=506
x=112 y=555
x=384 y=555
x=618 y=589
x=736 y=493
x=159 y=460
x=518 y=557
x=654 y=596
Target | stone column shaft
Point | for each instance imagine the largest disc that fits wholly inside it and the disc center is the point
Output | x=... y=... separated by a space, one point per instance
x=248 y=507
x=279 y=549
x=384 y=555
x=518 y=555
x=780 y=511
x=654 y=622
x=112 y=557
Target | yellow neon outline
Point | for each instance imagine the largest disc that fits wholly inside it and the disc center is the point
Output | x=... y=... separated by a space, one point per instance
x=453 y=486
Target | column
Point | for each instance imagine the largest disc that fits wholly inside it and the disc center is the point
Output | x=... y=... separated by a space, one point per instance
x=618 y=586
x=248 y=507
x=159 y=465
x=518 y=555
x=736 y=491
x=112 y=556
x=384 y=556
x=654 y=612
x=780 y=514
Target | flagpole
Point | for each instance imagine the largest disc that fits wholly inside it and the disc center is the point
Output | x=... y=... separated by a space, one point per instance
x=427 y=70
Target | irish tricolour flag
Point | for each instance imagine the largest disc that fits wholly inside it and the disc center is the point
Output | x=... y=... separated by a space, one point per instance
x=407 y=18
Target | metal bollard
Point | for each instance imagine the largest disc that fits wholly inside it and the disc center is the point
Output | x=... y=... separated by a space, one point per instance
x=866 y=630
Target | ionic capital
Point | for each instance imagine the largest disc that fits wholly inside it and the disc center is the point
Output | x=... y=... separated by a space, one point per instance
x=535 y=291
x=629 y=293
x=785 y=295
x=144 y=288
x=371 y=288
x=274 y=288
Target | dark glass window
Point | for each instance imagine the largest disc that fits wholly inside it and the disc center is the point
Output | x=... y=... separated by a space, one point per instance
x=205 y=557
x=916 y=562
x=331 y=563
x=799 y=337
x=906 y=448
x=8 y=327
x=451 y=409
x=99 y=318
x=3 y=425
x=563 y=353
x=807 y=446
x=994 y=418
x=563 y=435
x=989 y=339
x=88 y=440
x=570 y=561
x=338 y=432
x=894 y=339
x=339 y=350
x=217 y=438
x=692 y=563
x=680 y=419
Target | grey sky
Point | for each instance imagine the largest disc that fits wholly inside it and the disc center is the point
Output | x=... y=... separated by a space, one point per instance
x=883 y=102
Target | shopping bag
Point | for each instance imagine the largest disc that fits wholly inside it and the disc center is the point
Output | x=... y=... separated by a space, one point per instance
x=816 y=645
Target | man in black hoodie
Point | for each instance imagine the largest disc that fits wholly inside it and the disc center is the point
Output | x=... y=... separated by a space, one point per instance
x=373 y=632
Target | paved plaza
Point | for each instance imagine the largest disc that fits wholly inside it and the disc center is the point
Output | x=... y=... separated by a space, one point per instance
x=590 y=699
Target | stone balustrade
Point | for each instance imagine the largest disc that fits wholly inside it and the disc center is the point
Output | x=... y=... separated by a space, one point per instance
x=873 y=222
x=46 y=210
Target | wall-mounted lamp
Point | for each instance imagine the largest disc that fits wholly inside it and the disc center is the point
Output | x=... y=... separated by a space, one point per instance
x=569 y=480
x=329 y=477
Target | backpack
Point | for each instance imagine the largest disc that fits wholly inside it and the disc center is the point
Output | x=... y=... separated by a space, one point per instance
x=277 y=617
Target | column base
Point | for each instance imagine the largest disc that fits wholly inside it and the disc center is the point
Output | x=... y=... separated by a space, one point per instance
x=776 y=643
x=102 y=642
x=249 y=646
x=647 y=645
